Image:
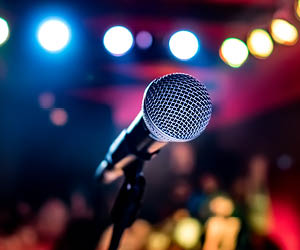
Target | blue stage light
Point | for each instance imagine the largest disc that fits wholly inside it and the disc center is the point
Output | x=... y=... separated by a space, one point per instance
x=118 y=40
x=54 y=35
x=184 y=45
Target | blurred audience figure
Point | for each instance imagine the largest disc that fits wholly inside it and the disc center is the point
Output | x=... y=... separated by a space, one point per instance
x=182 y=158
x=252 y=195
x=221 y=229
x=180 y=193
x=257 y=198
x=80 y=207
x=82 y=231
x=258 y=203
x=198 y=203
x=51 y=223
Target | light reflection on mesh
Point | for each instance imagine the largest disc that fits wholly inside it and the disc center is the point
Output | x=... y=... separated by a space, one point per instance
x=176 y=107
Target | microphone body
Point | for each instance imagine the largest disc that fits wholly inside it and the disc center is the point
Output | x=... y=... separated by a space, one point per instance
x=134 y=142
x=175 y=108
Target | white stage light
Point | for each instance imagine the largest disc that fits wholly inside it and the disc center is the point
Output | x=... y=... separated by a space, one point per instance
x=118 y=40
x=4 y=31
x=54 y=35
x=184 y=45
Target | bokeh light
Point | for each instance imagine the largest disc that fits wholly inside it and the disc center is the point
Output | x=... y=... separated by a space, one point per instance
x=158 y=241
x=54 y=35
x=144 y=39
x=298 y=8
x=284 y=162
x=4 y=31
x=118 y=40
x=283 y=32
x=260 y=43
x=46 y=100
x=187 y=232
x=234 y=52
x=184 y=45
x=59 y=117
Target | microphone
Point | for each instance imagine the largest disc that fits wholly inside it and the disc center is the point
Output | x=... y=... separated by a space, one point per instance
x=175 y=108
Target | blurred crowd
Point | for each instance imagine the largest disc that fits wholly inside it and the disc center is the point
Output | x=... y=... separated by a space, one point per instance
x=54 y=226
x=211 y=218
x=208 y=217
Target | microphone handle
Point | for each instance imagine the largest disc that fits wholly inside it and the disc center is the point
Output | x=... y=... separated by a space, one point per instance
x=132 y=143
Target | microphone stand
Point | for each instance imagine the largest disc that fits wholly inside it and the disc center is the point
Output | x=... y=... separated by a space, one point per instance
x=128 y=202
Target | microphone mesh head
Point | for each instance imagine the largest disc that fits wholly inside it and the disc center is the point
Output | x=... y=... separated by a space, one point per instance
x=176 y=107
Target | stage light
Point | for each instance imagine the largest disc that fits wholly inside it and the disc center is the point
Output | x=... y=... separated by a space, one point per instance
x=4 y=31
x=260 y=43
x=184 y=45
x=144 y=39
x=234 y=52
x=298 y=8
x=118 y=40
x=53 y=35
x=59 y=117
x=283 y=32
x=187 y=233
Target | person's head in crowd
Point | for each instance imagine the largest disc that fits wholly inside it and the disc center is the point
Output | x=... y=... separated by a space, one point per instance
x=258 y=169
x=182 y=158
x=181 y=191
x=208 y=183
x=52 y=219
x=79 y=206
x=221 y=205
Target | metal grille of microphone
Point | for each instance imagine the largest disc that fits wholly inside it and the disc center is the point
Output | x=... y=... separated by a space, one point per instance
x=176 y=107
